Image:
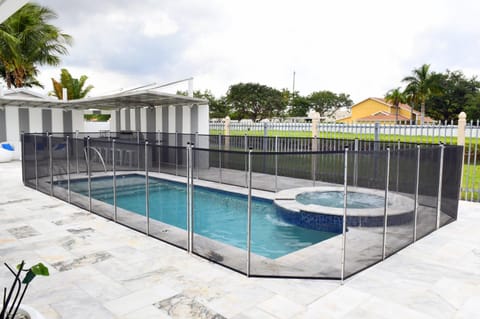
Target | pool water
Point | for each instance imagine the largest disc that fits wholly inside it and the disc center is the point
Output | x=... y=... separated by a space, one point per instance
x=218 y=215
x=335 y=199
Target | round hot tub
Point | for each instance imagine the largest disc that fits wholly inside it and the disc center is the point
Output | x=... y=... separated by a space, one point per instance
x=322 y=207
x=335 y=199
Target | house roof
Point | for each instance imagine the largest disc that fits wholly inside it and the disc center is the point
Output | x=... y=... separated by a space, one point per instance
x=127 y=99
x=403 y=106
x=400 y=105
x=382 y=117
x=8 y=7
x=26 y=93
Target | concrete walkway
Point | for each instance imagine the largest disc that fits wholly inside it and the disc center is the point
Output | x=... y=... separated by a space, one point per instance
x=103 y=270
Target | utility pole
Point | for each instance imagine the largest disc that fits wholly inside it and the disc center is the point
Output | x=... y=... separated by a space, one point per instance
x=293 y=87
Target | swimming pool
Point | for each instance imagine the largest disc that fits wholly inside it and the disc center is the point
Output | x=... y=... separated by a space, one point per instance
x=218 y=215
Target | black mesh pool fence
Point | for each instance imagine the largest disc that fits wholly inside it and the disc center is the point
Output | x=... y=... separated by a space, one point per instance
x=254 y=183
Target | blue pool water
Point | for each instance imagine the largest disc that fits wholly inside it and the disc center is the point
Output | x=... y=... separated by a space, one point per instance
x=335 y=199
x=218 y=215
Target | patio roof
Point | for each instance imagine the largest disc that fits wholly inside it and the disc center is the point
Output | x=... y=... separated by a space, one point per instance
x=9 y=7
x=127 y=99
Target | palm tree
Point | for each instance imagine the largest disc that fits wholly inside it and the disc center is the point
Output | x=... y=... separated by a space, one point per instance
x=75 y=89
x=395 y=96
x=27 y=41
x=422 y=85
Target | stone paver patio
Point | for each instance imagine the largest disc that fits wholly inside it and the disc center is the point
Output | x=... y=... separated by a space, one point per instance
x=103 y=270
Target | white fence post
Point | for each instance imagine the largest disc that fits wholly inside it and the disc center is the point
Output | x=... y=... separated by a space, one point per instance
x=462 y=124
x=226 y=126
x=315 y=121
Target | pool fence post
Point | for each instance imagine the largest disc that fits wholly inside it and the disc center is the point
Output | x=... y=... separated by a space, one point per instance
x=249 y=210
x=245 y=140
x=344 y=221
x=398 y=165
x=376 y=142
x=220 y=158
x=36 y=162
x=176 y=153
x=89 y=173
x=67 y=147
x=276 y=163
x=147 y=197
x=159 y=155
x=190 y=169
x=385 y=208
x=314 y=160
x=50 y=162
x=138 y=150
x=355 y=163
x=23 y=157
x=189 y=250
x=440 y=181
x=114 y=181
x=76 y=151
x=197 y=142
x=417 y=183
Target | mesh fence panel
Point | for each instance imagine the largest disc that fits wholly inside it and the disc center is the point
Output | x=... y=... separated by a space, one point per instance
x=288 y=241
x=79 y=176
x=226 y=167
x=365 y=210
x=43 y=164
x=59 y=165
x=452 y=176
x=101 y=166
x=220 y=227
x=167 y=204
x=428 y=190
x=29 y=160
x=181 y=155
x=172 y=160
x=401 y=199
x=131 y=188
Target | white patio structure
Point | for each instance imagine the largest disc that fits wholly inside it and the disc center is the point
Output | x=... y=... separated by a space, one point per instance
x=145 y=110
x=8 y=7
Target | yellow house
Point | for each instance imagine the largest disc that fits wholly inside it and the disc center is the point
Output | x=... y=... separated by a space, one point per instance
x=374 y=110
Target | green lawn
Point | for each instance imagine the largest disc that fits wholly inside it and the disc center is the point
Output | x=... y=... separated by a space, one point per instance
x=471 y=180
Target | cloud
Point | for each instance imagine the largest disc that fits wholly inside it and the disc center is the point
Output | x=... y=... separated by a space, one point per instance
x=363 y=48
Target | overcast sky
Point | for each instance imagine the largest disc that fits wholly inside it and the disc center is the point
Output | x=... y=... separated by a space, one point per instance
x=363 y=48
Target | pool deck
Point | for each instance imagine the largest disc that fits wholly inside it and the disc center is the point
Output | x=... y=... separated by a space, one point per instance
x=103 y=270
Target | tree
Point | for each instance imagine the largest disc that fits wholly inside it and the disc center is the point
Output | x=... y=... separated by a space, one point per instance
x=255 y=101
x=326 y=102
x=458 y=94
x=300 y=106
x=422 y=85
x=472 y=107
x=396 y=96
x=218 y=108
x=27 y=41
x=75 y=89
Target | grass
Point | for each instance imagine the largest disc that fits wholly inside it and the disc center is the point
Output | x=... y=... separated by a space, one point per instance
x=471 y=181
